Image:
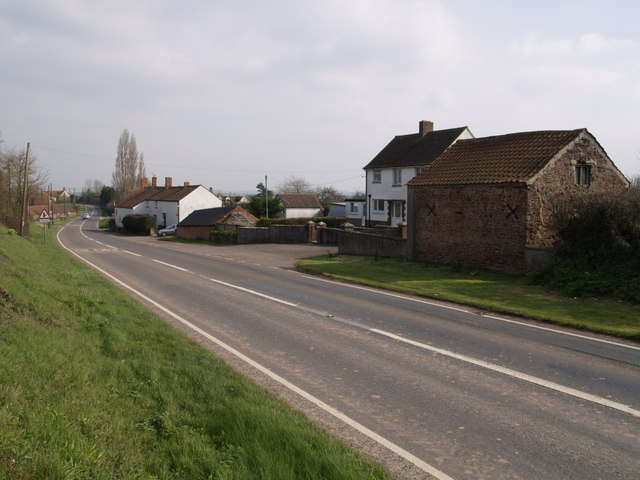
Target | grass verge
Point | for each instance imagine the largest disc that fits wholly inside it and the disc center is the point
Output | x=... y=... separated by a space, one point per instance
x=483 y=289
x=93 y=385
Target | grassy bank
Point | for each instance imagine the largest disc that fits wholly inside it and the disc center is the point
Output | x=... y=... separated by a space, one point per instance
x=92 y=385
x=483 y=289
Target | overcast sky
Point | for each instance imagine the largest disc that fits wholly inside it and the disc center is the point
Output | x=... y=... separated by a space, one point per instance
x=224 y=92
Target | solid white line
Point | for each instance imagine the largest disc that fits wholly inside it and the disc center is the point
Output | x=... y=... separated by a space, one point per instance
x=553 y=330
x=448 y=307
x=316 y=401
x=512 y=373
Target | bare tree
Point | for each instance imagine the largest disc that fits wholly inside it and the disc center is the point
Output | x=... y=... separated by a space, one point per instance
x=327 y=195
x=130 y=167
x=295 y=185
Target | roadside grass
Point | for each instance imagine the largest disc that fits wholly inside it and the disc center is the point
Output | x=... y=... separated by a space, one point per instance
x=94 y=385
x=483 y=289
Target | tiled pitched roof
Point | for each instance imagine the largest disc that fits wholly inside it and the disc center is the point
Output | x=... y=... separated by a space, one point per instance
x=415 y=149
x=299 y=200
x=164 y=194
x=206 y=216
x=512 y=158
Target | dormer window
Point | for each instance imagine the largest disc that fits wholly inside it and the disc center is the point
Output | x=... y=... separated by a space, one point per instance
x=583 y=174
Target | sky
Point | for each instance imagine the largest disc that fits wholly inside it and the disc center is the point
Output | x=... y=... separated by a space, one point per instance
x=225 y=92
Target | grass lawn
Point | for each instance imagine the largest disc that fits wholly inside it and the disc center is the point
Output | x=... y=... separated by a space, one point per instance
x=94 y=385
x=486 y=290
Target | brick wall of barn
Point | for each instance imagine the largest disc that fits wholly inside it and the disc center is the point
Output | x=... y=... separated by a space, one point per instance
x=476 y=225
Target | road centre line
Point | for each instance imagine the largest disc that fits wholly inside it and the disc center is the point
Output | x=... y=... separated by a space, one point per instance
x=490 y=366
x=439 y=475
x=493 y=317
x=512 y=373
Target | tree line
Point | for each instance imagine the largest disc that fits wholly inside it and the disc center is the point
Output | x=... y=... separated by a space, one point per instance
x=16 y=168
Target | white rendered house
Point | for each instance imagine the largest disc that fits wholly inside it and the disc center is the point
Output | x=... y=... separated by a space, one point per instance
x=401 y=160
x=167 y=204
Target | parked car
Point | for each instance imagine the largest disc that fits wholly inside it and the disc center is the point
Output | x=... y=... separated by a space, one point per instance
x=86 y=215
x=168 y=230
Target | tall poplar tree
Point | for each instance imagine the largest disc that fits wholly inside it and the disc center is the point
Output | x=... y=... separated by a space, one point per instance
x=130 y=167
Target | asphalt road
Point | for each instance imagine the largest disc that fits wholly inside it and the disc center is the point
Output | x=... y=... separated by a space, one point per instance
x=430 y=390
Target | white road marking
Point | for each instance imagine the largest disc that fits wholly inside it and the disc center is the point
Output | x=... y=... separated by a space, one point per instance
x=493 y=317
x=303 y=393
x=490 y=366
x=512 y=373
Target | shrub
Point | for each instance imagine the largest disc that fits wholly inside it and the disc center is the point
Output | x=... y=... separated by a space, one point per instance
x=599 y=252
x=224 y=237
x=139 y=223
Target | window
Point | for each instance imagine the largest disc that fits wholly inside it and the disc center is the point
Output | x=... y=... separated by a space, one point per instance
x=378 y=205
x=377 y=175
x=397 y=176
x=583 y=174
x=418 y=171
x=353 y=207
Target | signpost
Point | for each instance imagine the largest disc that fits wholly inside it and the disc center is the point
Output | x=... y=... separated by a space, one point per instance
x=44 y=218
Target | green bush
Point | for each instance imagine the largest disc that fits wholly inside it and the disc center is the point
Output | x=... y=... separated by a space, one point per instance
x=224 y=237
x=599 y=252
x=139 y=223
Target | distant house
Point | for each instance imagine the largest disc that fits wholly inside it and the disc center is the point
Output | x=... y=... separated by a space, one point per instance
x=355 y=211
x=403 y=158
x=167 y=204
x=200 y=223
x=487 y=202
x=300 y=205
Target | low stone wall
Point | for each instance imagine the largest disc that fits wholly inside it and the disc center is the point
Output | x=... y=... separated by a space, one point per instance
x=355 y=243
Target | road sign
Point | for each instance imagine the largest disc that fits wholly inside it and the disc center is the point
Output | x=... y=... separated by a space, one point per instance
x=44 y=217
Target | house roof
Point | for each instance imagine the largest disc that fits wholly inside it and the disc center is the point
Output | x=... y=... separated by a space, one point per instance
x=164 y=194
x=511 y=158
x=299 y=200
x=415 y=149
x=207 y=216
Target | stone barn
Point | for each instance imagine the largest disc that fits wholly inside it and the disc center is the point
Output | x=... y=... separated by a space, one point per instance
x=487 y=202
x=201 y=223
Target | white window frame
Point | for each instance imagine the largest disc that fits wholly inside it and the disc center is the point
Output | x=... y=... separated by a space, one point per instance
x=397 y=176
x=378 y=205
x=376 y=175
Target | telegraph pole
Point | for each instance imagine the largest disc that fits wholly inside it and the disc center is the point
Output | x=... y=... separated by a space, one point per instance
x=23 y=215
x=266 y=196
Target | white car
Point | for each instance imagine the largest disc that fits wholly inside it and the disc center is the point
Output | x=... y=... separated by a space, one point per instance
x=86 y=215
x=168 y=230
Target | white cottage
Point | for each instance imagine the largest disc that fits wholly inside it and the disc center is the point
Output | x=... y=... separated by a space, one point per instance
x=168 y=204
x=402 y=159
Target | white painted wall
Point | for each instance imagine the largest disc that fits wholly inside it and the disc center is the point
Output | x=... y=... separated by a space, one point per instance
x=302 y=212
x=176 y=211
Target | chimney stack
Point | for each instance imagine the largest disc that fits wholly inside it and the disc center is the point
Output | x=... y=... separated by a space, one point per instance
x=168 y=182
x=154 y=181
x=144 y=182
x=424 y=127
x=186 y=184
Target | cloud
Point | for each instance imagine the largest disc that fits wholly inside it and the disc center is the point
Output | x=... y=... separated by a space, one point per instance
x=585 y=45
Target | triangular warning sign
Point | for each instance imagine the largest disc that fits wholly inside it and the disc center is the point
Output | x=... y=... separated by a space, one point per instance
x=44 y=215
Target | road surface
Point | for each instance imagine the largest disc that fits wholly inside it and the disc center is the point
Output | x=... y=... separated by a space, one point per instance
x=428 y=389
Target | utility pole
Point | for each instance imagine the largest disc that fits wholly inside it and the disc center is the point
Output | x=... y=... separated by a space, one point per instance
x=23 y=215
x=266 y=196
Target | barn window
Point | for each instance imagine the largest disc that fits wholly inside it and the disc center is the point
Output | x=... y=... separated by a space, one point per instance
x=583 y=174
